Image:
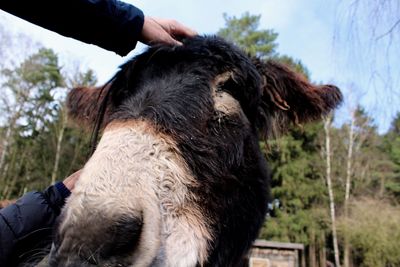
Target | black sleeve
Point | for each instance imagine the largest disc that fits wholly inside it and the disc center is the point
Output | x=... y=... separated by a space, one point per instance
x=26 y=226
x=110 y=24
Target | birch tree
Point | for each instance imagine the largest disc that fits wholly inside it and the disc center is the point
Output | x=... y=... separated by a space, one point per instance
x=346 y=249
x=328 y=155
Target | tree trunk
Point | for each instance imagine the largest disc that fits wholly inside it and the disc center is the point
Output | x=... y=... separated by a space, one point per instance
x=6 y=143
x=58 y=149
x=322 y=252
x=311 y=250
x=327 y=126
x=18 y=165
x=382 y=186
x=7 y=178
x=8 y=138
x=346 y=256
x=15 y=115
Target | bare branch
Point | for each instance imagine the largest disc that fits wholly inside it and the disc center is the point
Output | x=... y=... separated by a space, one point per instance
x=389 y=31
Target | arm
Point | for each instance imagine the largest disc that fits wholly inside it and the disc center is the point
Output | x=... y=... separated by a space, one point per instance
x=26 y=227
x=110 y=24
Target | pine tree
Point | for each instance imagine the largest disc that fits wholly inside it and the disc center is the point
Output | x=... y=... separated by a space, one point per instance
x=392 y=148
x=245 y=33
x=40 y=145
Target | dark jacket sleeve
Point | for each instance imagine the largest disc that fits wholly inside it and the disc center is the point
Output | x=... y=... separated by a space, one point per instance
x=26 y=226
x=110 y=24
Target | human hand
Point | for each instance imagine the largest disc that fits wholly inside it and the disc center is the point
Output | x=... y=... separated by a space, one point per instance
x=70 y=181
x=164 y=31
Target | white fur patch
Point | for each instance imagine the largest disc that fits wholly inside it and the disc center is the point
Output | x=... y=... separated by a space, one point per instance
x=137 y=172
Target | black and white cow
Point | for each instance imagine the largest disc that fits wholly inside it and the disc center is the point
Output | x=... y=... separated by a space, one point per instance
x=178 y=178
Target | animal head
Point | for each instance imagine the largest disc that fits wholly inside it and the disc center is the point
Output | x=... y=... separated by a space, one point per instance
x=271 y=95
x=178 y=172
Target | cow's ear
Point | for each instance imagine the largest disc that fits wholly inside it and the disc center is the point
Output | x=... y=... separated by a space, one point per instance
x=289 y=98
x=92 y=106
x=85 y=104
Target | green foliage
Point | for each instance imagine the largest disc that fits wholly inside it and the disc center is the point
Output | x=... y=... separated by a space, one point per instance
x=294 y=64
x=299 y=210
x=374 y=232
x=373 y=169
x=35 y=118
x=41 y=70
x=392 y=147
x=297 y=187
x=245 y=33
x=37 y=114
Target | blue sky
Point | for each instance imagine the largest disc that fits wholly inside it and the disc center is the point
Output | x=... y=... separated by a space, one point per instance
x=313 y=31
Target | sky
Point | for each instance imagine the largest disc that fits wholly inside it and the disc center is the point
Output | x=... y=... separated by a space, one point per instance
x=314 y=31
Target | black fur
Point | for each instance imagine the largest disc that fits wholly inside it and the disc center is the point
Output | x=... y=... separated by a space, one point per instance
x=171 y=87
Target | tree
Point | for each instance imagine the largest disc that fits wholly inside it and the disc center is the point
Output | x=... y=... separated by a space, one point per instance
x=328 y=153
x=41 y=146
x=359 y=130
x=368 y=175
x=73 y=79
x=31 y=87
x=245 y=33
x=297 y=213
x=349 y=170
x=392 y=147
x=362 y=169
x=13 y=50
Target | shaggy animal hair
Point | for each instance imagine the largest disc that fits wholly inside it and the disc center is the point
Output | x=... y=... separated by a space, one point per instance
x=178 y=178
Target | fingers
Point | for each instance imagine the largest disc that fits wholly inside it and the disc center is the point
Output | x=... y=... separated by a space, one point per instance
x=70 y=181
x=164 y=31
x=175 y=28
x=153 y=33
